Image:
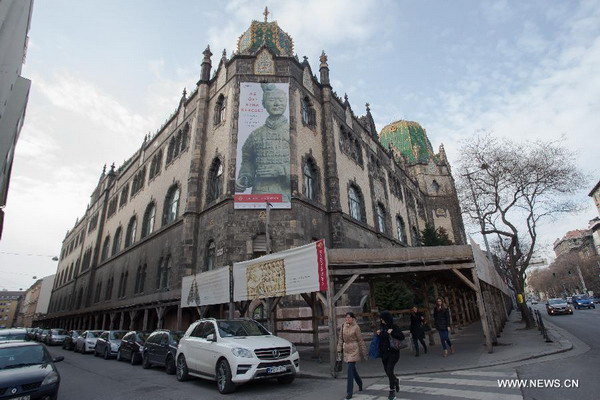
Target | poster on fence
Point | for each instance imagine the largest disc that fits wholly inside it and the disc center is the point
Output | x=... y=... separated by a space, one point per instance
x=205 y=288
x=294 y=271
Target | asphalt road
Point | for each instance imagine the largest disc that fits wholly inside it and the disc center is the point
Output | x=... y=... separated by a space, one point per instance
x=581 y=365
x=85 y=377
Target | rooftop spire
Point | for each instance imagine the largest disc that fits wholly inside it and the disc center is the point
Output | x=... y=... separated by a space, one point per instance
x=266 y=13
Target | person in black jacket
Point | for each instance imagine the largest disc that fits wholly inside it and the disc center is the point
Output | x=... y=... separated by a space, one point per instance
x=389 y=355
x=417 y=331
x=441 y=320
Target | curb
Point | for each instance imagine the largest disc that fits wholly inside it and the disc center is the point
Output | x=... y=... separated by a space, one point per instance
x=569 y=347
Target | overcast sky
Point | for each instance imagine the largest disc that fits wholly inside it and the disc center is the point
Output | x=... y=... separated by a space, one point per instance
x=105 y=73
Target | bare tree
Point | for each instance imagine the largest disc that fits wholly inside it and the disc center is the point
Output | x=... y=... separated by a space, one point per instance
x=511 y=187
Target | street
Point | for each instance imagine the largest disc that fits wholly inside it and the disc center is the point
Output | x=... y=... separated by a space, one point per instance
x=88 y=377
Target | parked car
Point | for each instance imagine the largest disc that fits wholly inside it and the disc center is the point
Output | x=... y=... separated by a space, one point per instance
x=582 y=301
x=56 y=336
x=233 y=352
x=132 y=346
x=69 y=343
x=33 y=335
x=27 y=371
x=160 y=349
x=108 y=344
x=43 y=335
x=14 y=334
x=569 y=300
x=558 y=306
x=87 y=341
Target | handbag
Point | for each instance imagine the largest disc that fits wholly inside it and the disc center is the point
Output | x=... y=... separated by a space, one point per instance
x=374 y=347
x=398 y=344
x=340 y=356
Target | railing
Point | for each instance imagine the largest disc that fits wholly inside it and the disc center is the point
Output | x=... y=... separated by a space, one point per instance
x=540 y=324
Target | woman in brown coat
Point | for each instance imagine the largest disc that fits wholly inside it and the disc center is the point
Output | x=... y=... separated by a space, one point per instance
x=353 y=346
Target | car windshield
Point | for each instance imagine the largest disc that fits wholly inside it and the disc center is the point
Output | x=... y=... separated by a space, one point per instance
x=581 y=297
x=4 y=336
x=22 y=356
x=59 y=332
x=241 y=328
x=117 y=335
x=556 y=301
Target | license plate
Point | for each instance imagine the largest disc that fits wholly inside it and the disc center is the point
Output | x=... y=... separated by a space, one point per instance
x=275 y=370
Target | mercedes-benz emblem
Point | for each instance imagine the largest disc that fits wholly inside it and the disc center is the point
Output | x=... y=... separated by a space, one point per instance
x=275 y=353
x=13 y=390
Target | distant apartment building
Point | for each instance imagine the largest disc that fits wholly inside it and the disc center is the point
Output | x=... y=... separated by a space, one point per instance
x=37 y=300
x=595 y=223
x=15 y=19
x=10 y=306
x=578 y=240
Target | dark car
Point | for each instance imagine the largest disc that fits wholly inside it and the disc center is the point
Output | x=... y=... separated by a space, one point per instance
x=56 y=336
x=10 y=335
x=132 y=346
x=160 y=349
x=69 y=343
x=558 y=306
x=108 y=343
x=43 y=335
x=27 y=371
x=583 y=301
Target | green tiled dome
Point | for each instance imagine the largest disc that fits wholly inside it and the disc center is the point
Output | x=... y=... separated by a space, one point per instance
x=410 y=139
x=267 y=34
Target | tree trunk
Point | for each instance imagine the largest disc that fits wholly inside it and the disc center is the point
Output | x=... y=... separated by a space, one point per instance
x=525 y=315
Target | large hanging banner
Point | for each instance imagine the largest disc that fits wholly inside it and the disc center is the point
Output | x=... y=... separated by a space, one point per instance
x=205 y=288
x=294 y=271
x=263 y=146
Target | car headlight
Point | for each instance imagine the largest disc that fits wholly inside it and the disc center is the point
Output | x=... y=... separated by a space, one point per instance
x=294 y=349
x=241 y=352
x=52 y=377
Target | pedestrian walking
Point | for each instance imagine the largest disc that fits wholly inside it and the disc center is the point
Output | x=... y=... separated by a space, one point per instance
x=352 y=345
x=442 y=321
x=389 y=355
x=417 y=330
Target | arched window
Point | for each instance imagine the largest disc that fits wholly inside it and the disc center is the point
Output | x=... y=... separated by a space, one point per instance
x=105 y=249
x=124 y=195
x=220 y=108
x=171 y=205
x=143 y=279
x=131 y=228
x=416 y=240
x=166 y=273
x=401 y=229
x=308 y=113
x=159 y=273
x=210 y=255
x=355 y=203
x=138 y=279
x=117 y=241
x=155 y=164
x=177 y=144
x=380 y=217
x=148 y=222
x=171 y=150
x=185 y=137
x=310 y=179
x=436 y=186
x=214 y=180
x=108 y=291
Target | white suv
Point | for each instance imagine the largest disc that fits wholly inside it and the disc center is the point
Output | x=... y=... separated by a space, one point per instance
x=236 y=351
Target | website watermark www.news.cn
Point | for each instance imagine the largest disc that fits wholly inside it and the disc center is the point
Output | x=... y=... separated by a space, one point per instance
x=538 y=383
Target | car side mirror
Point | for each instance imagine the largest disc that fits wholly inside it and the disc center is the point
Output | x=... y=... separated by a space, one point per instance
x=211 y=337
x=57 y=359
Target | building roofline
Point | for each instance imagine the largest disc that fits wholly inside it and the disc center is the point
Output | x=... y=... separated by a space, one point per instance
x=591 y=194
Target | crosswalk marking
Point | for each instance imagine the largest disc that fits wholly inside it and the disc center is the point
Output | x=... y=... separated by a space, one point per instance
x=463 y=394
x=495 y=374
x=451 y=381
x=466 y=384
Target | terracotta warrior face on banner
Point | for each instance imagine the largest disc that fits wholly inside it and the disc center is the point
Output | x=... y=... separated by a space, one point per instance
x=263 y=156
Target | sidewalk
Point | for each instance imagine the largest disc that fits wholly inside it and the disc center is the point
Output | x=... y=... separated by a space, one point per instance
x=514 y=344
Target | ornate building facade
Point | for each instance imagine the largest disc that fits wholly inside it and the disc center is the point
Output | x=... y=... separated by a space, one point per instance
x=170 y=210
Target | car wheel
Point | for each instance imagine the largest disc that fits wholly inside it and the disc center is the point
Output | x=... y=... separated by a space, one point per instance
x=106 y=354
x=286 y=380
x=119 y=358
x=170 y=367
x=146 y=361
x=96 y=351
x=134 y=358
x=224 y=383
x=182 y=369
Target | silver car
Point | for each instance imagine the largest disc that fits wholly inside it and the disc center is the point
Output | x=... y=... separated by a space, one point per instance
x=87 y=341
x=56 y=336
